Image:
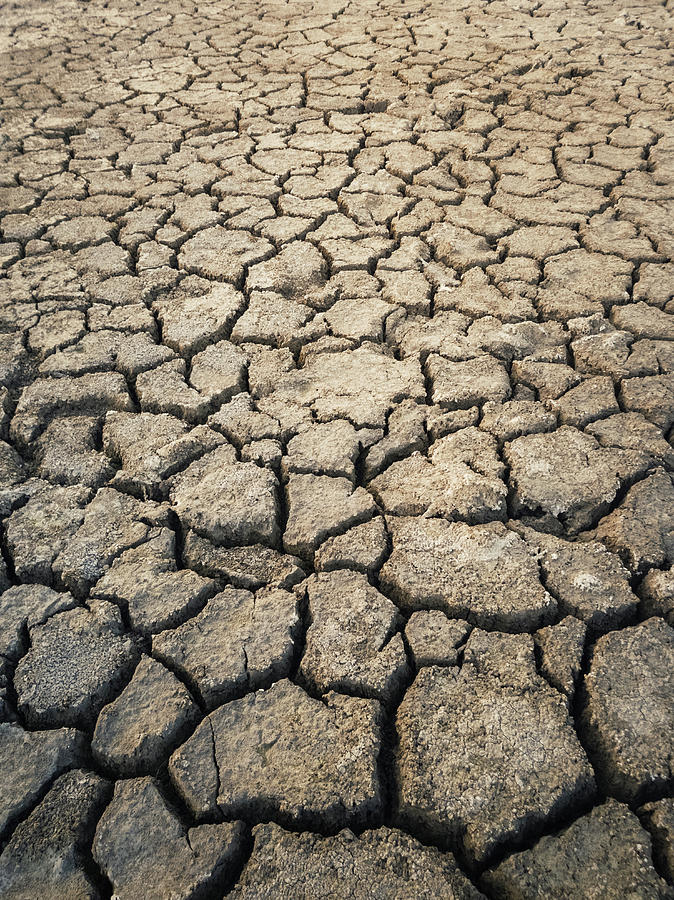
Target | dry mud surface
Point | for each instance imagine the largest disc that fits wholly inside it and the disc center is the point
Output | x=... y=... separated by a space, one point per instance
x=336 y=406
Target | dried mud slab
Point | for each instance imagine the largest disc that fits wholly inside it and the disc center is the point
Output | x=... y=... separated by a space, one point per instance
x=560 y=648
x=386 y=863
x=433 y=639
x=362 y=548
x=222 y=255
x=146 y=582
x=31 y=761
x=239 y=642
x=628 y=715
x=227 y=501
x=462 y=478
x=112 y=522
x=244 y=567
x=358 y=385
x=641 y=529
x=47 y=854
x=351 y=644
x=280 y=753
x=22 y=607
x=659 y=819
x=137 y=731
x=588 y=581
x=526 y=762
x=320 y=506
x=604 y=854
x=76 y=662
x=483 y=573
x=144 y=849
x=566 y=475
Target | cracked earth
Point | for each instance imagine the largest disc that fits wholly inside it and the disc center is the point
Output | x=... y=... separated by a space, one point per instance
x=336 y=498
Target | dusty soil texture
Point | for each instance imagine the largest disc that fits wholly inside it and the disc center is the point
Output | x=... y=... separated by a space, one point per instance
x=336 y=462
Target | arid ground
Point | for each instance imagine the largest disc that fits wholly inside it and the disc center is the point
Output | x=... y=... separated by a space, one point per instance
x=336 y=499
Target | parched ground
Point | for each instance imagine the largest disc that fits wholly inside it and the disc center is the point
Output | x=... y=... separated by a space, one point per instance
x=336 y=499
